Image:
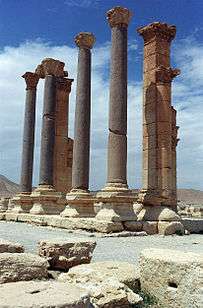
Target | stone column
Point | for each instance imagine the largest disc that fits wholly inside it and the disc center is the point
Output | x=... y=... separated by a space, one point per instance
x=118 y=19
x=63 y=145
x=157 y=114
x=31 y=80
x=22 y=200
x=45 y=197
x=79 y=199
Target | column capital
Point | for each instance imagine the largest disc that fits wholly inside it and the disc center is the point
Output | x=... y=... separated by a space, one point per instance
x=52 y=67
x=157 y=30
x=118 y=16
x=166 y=74
x=31 y=80
x=64 y=84
x=85 y=40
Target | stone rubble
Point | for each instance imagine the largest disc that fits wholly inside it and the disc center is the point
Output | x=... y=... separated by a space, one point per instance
x=22 y=266
x=6 y=246
x=63 y=254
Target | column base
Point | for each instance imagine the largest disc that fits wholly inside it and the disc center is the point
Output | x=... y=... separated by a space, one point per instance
x=22 y=203
x=46 y=200
x=4 y=205
x=80 y=204
x=115 y=203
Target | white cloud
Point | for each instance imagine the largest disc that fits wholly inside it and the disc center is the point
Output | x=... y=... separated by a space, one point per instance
x=81 y=3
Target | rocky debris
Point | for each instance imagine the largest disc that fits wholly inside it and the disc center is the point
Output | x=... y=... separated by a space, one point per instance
x=150 y=227
x=4 y=204
x=22 y=266
x=6 y=246
x=169 y=228
x=110 y=284
x=124 y=272
x=133 y=225
x=193 y=225
x=42 y=294
x=64 y=254
x=173 y=277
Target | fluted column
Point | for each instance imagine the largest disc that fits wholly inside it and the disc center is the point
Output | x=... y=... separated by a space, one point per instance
x=118 y=19
x=158 y=157
x=31 y=80
x=80 y=203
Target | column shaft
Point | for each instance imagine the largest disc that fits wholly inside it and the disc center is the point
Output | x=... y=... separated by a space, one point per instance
x=81 y=146
x=117 y=142
x=48 y=132
x=28 y=133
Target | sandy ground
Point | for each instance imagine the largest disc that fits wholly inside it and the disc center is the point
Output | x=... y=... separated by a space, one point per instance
x=123 y=249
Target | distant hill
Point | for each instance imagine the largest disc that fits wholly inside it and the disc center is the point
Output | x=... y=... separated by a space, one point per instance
x=188 y=196
x=7 y=187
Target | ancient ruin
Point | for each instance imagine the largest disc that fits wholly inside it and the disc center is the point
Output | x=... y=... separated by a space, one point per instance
x=63 y=188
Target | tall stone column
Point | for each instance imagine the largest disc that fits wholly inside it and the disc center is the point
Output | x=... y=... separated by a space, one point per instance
x=118 y=19
x=63 y=144
x=157 y=115
x=79 y=199
x=45 y=197
x=22 y=201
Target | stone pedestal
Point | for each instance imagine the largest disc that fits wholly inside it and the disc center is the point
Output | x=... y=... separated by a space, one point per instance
x=22 y=203
x=46 y=200
x=115 y=200
x=80 y=201
x=159 y=134
x=80 y=204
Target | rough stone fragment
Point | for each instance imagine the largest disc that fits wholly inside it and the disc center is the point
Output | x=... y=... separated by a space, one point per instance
x=172 y=227
x=42 y=294
x=151 y=227
x=110 y=284
x=6 y=246
x=64 y=254
x=124 y=272
x=133 y=225
x=173 y=277
x=22 y=266
x=193 y=225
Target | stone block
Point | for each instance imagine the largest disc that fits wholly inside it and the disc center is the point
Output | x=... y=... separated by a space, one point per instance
x=155 y=60
x=157 y=213
x=64 y=254
x=133 y=225
x=173 y=277
x=151 y=227
x=172 y=227
x=22 y=266
x=43 y=294
x=109 y=283
x=6 y=246
x=193 y=225
x=157 y=46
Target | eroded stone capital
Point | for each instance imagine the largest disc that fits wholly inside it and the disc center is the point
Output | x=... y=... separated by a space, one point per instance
x=31 y=80
x=157 y=30
x=64 y=84
x=85 y=40
x=119 y=16
x=52 y=67
x=164 y=74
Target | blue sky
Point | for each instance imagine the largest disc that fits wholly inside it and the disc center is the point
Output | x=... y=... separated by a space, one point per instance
x=31 y=30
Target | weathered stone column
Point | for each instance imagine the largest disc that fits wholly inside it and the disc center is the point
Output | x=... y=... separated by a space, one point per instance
x=45 y=197
x=63 y=145
x=79 y=199
x=118 y=19
x=31 y=80
x=22 y=200
x=157 y=116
